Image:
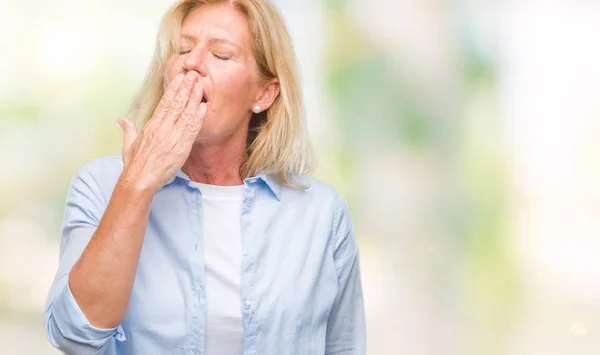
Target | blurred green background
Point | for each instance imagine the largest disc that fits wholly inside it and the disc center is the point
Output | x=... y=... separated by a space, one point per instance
x=464 y=135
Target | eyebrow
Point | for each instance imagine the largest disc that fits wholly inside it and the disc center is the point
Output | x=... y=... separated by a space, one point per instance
x=213 y=40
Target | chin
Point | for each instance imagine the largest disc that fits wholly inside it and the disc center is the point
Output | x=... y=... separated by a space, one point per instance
x=210 y=126
x=210 y=134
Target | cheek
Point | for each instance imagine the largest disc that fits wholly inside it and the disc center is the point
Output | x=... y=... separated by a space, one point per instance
x=235 y=85
x=171 y=69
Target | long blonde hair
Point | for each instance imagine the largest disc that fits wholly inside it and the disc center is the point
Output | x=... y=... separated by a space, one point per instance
x=277 y=141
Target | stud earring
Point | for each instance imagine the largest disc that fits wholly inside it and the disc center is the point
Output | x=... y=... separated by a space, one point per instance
x=256 y=109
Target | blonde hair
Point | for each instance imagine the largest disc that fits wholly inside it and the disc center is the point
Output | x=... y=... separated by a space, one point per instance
x=277 y=141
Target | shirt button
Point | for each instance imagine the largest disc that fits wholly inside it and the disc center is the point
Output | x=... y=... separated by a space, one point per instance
x=246 y=253
x=246 y=305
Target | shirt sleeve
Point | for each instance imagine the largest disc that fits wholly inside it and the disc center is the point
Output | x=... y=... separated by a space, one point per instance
x=67 y=328
x=346 y=327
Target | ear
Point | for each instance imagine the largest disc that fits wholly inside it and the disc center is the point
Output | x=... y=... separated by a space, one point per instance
x=268 y=94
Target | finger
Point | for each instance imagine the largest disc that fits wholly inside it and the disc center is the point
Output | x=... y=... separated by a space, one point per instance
x=182 y=98
x=192 y=106
x=129 y=136
x=193 y=128
x=164 y=106
x=201 y=112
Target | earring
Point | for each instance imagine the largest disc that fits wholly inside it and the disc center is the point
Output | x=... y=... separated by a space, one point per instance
x=256 y=109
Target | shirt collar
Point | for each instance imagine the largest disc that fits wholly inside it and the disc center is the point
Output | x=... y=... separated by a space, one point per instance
x=268 y=179
x=179 y=174
x=271 y=183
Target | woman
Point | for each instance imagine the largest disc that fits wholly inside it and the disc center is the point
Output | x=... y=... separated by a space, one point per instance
x=207 y=236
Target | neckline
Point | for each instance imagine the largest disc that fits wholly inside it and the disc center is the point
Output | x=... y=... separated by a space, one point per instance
x=219 y=191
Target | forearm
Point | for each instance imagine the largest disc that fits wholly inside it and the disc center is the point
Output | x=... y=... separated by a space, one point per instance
x=102 y=279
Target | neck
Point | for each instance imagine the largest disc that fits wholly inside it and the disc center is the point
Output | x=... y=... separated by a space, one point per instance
x=216 y=164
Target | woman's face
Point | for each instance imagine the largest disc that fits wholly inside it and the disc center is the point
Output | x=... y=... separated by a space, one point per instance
x=215 y=42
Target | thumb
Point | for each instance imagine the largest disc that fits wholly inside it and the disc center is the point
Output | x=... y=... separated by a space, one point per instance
x=129 y=136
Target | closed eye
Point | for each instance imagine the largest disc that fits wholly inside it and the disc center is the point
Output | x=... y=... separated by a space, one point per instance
x=220 y=57
x=216 y=55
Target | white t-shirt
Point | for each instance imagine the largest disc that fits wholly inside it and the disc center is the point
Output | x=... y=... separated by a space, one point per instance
x=223 y=256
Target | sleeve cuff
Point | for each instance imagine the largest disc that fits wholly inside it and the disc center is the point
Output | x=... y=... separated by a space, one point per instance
x=75 y=325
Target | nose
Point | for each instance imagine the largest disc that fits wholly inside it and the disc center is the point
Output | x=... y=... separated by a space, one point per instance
x=196 y=60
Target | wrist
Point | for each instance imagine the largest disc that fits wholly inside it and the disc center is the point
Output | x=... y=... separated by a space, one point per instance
x=130 y=183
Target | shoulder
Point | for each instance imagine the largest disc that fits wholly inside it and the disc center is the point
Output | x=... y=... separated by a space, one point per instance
x=103 y=165
x=102 y=168
x=320 y=192
x=329 y=203
x=98 y=176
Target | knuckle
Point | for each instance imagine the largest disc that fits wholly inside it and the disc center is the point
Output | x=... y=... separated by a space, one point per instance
x=186 y=117
x=178 y=152
x=165 y=102
x=194 y=100
x=192 y=127
x=164 y=105
x=177 y=104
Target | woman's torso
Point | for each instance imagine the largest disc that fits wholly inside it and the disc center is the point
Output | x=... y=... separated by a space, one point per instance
x=288 y=278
